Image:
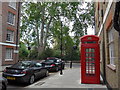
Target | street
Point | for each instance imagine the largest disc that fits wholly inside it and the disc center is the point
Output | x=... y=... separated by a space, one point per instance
x=69 y=79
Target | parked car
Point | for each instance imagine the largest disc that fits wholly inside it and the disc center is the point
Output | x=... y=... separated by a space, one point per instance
x=25 y=72
x=54 y=64
x=3 y=83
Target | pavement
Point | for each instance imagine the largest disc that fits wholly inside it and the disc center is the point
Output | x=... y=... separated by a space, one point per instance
x=3 y=67
x=69 y=79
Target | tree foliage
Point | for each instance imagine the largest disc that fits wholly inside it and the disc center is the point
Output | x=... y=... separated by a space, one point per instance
x=23 y=52
x=45 y=23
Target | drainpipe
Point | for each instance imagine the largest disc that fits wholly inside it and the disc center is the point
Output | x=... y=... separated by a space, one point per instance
x=17 y=32
x=103 y=54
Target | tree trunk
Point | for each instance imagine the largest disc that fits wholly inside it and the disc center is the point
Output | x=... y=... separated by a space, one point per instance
x=37 y=32
x=47 y=29
x=41 y=48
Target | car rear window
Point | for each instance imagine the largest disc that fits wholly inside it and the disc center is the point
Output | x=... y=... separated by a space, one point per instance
x=22 y=65
x=50 y=60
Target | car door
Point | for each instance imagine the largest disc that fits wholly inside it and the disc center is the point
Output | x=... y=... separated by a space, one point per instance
x=42 y=70
x=37 y=70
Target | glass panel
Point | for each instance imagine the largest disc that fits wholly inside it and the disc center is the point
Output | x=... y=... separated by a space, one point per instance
x=90 y=61
x=92 y=55
x=9 y=53
x=92 y=50
x=87 y=59
x=87 y=50
x=87 y=54
x=11 y=18
x=10 y=35
x=87 y=42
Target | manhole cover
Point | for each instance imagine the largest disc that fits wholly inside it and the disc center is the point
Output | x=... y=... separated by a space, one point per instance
x=40 y=83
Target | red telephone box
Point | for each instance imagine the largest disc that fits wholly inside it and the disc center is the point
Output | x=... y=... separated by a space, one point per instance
x=90 y=59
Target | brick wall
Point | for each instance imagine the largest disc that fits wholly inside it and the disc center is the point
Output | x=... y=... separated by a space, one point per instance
x=0 y=33
x=112 y=75
x=5 y=26
x=119 y=63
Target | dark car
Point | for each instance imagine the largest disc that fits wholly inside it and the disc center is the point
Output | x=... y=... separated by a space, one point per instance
x=25 y=72
x=3 y=83
x=54 y=64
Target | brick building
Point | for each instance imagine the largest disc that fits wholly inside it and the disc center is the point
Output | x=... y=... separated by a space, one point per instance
x=9 y=32
x=109 y=42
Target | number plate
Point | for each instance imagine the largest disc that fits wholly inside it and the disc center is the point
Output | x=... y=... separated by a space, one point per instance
x=11 y=78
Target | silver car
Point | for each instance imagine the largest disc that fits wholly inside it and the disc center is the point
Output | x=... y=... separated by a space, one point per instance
x=3 y=83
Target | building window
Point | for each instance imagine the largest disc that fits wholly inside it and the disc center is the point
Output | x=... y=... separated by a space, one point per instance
x=10 y=36
x=111 y=47
x=12 y=5
x=11 y=18
x=9 y=53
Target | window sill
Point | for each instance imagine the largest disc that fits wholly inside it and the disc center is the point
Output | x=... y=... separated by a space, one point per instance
x=111 y=67
x=11 y=24
x=12 y=7
x=8 y=59
x=9 y=41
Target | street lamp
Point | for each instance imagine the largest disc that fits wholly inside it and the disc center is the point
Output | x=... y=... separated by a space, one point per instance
x=29 y=48
x=61 y=50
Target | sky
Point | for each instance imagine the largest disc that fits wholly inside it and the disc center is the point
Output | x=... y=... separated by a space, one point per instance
x=90 y=31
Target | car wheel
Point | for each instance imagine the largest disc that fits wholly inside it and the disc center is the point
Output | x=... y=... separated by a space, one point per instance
x=32 y=79
x=47 y=73
x=56 y=69
x=3 y=87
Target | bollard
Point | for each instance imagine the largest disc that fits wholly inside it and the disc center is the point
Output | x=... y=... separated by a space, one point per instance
x=71 y=64
x=61 y=72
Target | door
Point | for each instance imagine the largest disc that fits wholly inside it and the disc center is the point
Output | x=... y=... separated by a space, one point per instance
x=90 y=67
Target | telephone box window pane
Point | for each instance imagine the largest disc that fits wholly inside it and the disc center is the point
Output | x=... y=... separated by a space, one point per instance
x=87 y=59
x=90 y=59
x=87 y=54
x=88 y=42
x=93 y=59
x=92 y=50
x=87 y=50
x=92 y=55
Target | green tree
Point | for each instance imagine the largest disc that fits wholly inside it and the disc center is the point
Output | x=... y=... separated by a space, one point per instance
x=42 y=22
x=23 y=52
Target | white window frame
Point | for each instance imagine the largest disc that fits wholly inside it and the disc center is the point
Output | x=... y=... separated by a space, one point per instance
x=10 y=16
x=13 y=5
x=10 y=52
x=111 y=47
x=11 y=33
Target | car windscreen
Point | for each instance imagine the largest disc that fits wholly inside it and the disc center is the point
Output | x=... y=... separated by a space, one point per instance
x=22 y=65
